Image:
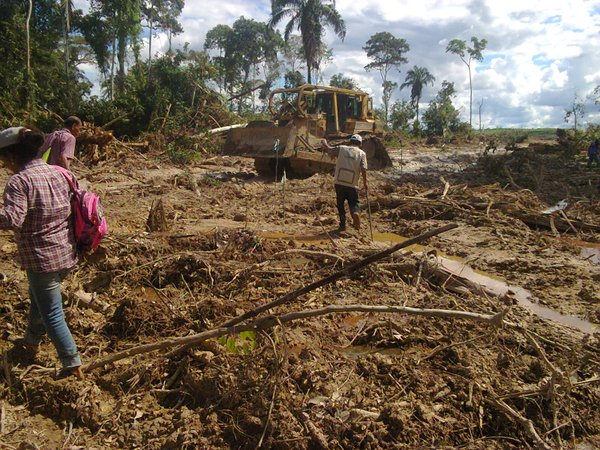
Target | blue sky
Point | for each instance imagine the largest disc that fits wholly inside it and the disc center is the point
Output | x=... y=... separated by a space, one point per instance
x=541 y=54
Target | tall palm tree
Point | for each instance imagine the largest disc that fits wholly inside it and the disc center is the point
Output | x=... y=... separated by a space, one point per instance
x=416 y=79
x=310 y=17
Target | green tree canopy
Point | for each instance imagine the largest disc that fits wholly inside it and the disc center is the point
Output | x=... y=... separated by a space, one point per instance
x=49 y=86
x=416 y=79
x=467 y=55
x=248 y=49
x=339 y=80
x=310 y=17
x=386 y=52
x=442 y=116
x=162 y=15
x=576 y=110
x=293 y=79
x=401 y=115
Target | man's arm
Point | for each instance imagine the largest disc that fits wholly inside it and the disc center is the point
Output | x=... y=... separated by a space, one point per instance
x=64 y=162
x=364 y=175
x=363 y=169
x=13 y=214
x=68 y=152
x=331 y=151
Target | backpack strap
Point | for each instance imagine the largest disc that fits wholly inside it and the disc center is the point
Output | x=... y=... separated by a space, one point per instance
x=68 y=175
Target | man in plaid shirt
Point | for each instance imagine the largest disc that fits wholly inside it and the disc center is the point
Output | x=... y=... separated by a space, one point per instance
x=37 y=206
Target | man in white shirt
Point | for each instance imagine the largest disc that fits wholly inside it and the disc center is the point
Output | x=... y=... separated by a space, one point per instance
x=351 y=162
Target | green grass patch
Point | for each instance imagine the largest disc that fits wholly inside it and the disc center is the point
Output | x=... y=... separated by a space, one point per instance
x=508 y=133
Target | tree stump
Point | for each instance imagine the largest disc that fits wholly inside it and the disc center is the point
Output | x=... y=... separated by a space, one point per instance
x=157 y=220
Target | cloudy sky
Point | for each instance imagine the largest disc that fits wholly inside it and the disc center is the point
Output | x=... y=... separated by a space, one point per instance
x=541 y=54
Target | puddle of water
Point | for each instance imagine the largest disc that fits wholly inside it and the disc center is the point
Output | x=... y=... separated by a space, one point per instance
x=589 y=250
x=523 y=296
x=494 y=285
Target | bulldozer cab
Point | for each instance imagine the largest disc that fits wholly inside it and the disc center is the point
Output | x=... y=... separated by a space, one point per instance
x=328 y=111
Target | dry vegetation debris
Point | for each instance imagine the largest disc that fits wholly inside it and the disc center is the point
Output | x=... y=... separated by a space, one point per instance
x=230 y=242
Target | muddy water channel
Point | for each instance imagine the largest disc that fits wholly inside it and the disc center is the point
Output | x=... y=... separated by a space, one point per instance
x=499 y=287
x=490 y=283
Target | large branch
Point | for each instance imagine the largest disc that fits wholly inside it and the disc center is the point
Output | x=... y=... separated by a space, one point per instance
x=246 y=92
x=271 y=321
x=337 y=275
x=530 y=218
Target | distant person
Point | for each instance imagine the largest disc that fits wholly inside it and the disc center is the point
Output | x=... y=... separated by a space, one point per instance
x=61 y=143
x=593 y=155
x=351 y=163
x=37 y=207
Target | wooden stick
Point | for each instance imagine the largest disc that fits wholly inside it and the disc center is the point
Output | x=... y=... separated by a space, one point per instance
x=271 y=321
x=524 y=422
x=542 y=391
x=446 y=186
x=2 y=418
x=562 y=213
x=307 y=252
x=221 y=129
x=337 y=275
x=557 y=373
x=445 y=347
x=116 y=119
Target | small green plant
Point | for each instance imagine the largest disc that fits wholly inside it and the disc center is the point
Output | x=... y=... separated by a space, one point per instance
x=573 y=142
x=182 y=150
x=240 y=344
x=209 y=181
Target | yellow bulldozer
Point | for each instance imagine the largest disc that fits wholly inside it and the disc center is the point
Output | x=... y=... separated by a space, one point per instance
x=301 y=118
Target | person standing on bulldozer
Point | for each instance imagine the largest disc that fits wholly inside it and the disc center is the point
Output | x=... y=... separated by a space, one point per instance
x=350 y=164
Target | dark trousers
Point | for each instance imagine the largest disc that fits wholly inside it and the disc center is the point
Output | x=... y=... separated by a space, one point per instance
x=343 y=194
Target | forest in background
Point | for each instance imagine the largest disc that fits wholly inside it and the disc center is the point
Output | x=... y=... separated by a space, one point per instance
x=183 y=91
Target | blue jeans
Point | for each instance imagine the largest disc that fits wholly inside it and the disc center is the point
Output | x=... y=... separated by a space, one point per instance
x=46 y=316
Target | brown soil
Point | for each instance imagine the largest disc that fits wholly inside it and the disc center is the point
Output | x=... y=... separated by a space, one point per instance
x=232 y=241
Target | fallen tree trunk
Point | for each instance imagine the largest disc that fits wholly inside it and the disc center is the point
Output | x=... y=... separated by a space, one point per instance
x=222 y=129
x=272 y=321
x=531 y=219
x=544 y=221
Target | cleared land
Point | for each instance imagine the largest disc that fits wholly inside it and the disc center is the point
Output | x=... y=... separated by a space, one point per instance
x=227 y=241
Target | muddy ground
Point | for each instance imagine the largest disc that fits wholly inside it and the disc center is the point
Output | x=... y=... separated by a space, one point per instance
x=229 y=240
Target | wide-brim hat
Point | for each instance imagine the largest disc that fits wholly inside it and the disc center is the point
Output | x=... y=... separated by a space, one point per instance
x=10 y=136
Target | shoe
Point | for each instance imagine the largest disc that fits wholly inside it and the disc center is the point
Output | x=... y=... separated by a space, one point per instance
x=76 y=372
x=342 y=228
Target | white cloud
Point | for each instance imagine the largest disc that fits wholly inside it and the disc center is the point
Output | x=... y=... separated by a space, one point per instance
x=540 y=53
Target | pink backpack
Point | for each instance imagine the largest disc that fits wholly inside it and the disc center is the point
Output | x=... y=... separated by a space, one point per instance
x=89 y=222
